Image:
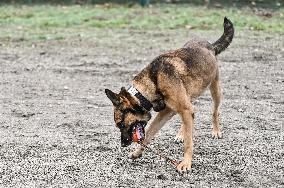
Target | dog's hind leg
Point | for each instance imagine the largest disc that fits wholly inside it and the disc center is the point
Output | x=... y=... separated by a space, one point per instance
x=160 y=120
x=216 y=96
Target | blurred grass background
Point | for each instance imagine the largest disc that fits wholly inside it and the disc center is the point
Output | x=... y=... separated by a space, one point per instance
x=32 y=20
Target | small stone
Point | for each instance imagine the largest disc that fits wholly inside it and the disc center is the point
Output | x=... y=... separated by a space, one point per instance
x=42 y=53
x=162 y=177
x=240 y=110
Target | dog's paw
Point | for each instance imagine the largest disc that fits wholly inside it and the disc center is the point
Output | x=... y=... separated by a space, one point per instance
x=216 y=134
x=179 y=138
x=184 y=166
x=135 y=155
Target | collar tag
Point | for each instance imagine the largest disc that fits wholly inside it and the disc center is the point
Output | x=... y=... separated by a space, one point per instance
x=132 y=91
x=145 y=103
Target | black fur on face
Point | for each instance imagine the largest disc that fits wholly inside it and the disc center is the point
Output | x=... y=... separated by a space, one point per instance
x=126 y=127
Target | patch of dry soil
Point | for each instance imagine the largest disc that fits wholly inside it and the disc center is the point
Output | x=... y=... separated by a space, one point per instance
x=56 y=125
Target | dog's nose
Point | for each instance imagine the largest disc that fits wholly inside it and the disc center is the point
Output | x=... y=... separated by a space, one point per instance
x=125 y=143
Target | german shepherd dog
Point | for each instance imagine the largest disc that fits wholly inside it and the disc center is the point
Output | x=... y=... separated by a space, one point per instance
x=169 y=84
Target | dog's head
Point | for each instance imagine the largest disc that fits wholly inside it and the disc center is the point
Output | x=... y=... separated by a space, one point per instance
x=129 y=116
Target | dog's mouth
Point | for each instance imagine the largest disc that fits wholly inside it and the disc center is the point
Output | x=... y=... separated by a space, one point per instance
x=138 y=132
x=135 y=134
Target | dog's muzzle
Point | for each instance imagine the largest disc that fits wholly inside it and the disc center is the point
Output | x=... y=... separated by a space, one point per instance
x=135 y=134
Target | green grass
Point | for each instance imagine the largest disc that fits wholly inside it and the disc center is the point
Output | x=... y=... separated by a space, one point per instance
x=46 y=21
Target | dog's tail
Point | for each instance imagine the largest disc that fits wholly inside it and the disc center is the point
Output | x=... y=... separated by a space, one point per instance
x=224 y=41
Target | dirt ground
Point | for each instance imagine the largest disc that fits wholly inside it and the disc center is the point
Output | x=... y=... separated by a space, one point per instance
x=57 y=129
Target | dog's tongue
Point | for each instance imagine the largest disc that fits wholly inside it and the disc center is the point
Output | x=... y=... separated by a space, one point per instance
x=138 y=134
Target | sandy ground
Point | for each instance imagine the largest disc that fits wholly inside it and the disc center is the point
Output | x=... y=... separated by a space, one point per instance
x=57 y=129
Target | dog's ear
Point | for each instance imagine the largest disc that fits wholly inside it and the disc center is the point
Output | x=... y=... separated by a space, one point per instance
x=113 y=97
x=123 y=92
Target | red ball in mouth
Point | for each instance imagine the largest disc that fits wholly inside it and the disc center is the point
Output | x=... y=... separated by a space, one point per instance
x=138 y=133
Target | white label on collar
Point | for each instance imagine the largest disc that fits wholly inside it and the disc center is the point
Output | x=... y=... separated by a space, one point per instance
x=132 y=91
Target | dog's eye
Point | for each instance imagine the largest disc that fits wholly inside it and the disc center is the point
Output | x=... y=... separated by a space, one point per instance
x=120 y=125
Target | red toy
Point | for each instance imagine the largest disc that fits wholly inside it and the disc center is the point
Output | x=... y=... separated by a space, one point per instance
x=138 y=133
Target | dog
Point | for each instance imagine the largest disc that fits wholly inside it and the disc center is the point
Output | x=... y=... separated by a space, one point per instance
x=169 y=84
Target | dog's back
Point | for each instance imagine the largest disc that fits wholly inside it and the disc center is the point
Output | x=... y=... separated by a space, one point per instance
x=194 y=65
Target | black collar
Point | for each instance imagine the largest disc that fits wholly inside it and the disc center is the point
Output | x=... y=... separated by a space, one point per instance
x=145 y=103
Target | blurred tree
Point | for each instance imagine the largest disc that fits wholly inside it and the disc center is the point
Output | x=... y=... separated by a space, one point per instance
x=144 y=3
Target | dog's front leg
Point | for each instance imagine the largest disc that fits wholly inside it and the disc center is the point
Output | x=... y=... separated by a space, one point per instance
x=187 y=119
x=160 y=120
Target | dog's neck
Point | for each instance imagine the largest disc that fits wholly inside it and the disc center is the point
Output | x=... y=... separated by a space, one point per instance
x=144 y=102
x=149 y=90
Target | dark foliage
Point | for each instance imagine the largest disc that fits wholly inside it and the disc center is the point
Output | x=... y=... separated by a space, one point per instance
x=211 y=3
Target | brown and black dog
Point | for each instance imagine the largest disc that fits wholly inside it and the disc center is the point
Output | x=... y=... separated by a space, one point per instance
x=169 y=84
